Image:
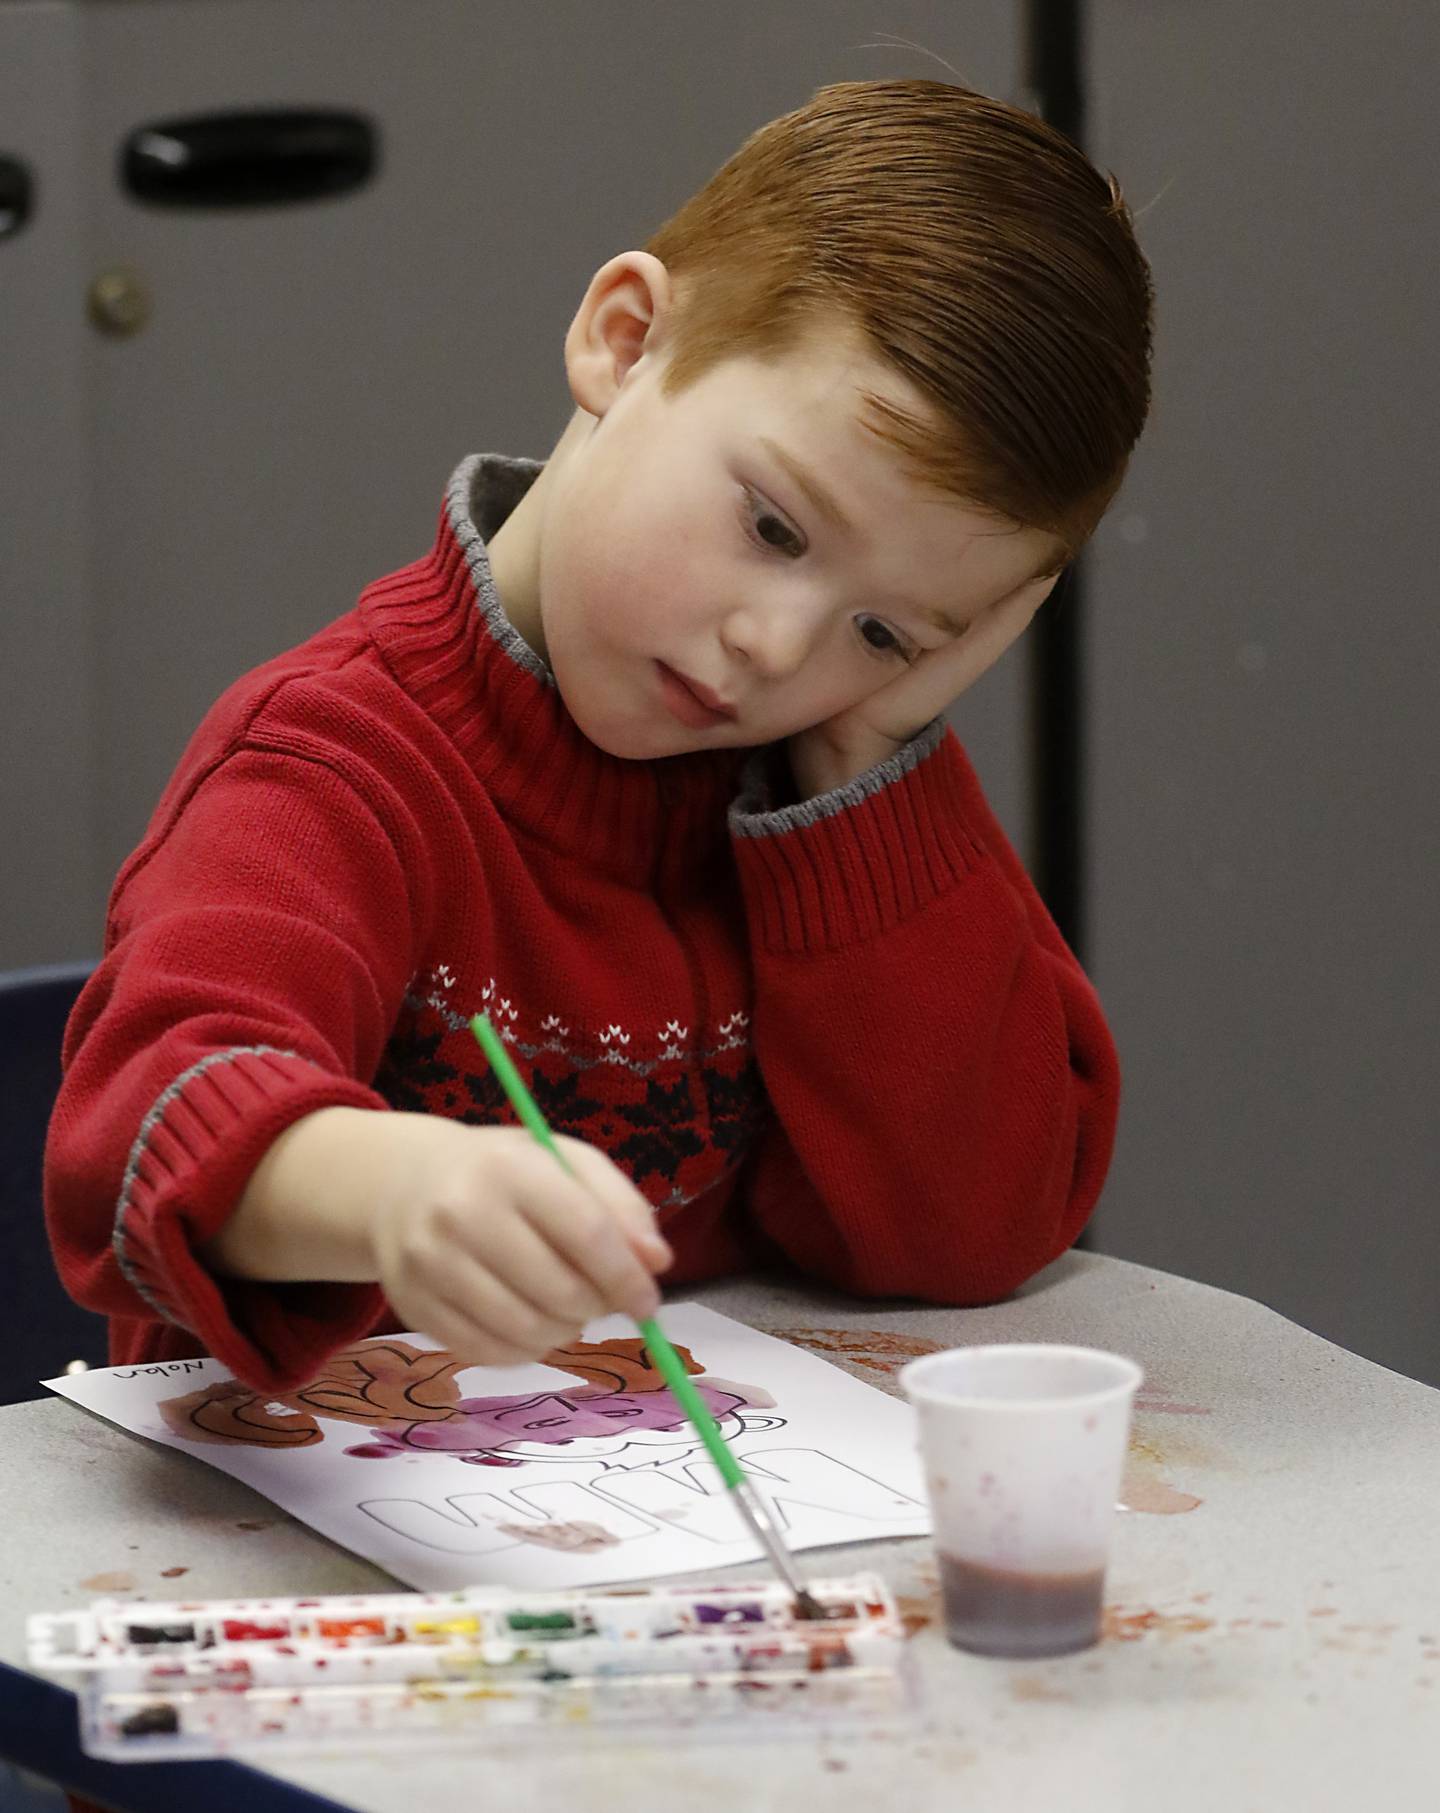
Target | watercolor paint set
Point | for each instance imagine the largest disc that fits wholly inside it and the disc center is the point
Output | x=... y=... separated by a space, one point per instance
x=199 y=1678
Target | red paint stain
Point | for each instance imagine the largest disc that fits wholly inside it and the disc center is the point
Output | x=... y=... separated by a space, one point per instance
x=173 y=1573
x=1129 y=1627
x=876 y=1349
x=1032 y=1687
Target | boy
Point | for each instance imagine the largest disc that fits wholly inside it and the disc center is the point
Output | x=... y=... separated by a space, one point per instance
x=647 y=759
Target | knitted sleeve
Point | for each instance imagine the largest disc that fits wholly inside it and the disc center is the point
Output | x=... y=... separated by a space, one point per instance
x=944 y=1085
x=256 y=953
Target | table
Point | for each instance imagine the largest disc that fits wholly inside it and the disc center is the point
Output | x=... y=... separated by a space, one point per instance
x=1273 y=1613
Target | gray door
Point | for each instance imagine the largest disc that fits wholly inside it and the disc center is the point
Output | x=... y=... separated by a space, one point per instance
x=1263 y=660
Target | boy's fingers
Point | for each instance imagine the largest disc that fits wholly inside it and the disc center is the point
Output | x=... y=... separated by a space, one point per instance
x=934 y=682
x=589 y=1238
x=995 y=629
x=546 y=1281
x=614 y=1189
x=490 y=1307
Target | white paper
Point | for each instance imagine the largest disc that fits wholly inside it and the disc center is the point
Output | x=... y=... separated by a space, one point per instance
x=627 y=1494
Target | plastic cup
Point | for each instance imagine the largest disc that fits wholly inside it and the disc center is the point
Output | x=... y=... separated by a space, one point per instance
x=1023 y=1448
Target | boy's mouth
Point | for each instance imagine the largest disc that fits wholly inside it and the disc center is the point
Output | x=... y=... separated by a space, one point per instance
x=695 y=705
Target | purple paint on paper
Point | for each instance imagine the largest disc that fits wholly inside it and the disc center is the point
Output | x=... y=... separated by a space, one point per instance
x=481 y=1427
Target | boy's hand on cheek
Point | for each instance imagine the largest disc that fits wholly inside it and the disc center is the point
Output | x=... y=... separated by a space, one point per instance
x=830 y=754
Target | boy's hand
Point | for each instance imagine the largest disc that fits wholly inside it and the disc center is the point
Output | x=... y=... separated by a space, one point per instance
x=830 y=754
x=490 y=1247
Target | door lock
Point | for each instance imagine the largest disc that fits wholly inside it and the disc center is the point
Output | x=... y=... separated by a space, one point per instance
x=119 y=301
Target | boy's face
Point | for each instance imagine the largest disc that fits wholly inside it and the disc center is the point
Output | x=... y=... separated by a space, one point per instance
x=675 y=534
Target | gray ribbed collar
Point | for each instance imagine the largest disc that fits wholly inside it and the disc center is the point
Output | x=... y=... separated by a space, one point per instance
x=484 y=488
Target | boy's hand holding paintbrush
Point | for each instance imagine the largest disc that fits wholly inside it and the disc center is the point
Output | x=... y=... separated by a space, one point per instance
x=480 y=1239
x=475 y=1234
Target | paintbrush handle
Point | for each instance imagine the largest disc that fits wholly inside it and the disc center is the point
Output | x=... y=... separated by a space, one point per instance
x=668 y=1363
x=749 y=1502
x=672 y=1369
x=513 y=1084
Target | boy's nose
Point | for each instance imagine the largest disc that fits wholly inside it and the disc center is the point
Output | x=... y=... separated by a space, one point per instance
x=775 y=644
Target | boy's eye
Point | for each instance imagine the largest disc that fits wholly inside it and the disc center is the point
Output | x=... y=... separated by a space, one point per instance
x=768 y=529
x=884 y=641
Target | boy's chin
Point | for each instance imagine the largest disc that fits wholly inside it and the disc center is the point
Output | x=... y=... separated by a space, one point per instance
x=637 y=740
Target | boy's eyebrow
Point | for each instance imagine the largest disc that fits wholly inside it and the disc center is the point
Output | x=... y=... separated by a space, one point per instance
x=810 y=485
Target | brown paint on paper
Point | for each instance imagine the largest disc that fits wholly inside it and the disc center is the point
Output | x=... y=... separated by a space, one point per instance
x=577 y=1538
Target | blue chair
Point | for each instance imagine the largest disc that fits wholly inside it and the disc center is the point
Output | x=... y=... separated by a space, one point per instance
x=41 y=1329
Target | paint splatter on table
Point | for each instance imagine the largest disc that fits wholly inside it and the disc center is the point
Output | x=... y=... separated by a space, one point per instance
x=872 y=1354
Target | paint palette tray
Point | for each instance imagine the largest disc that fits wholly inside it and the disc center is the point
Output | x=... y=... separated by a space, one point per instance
x=194 y=1679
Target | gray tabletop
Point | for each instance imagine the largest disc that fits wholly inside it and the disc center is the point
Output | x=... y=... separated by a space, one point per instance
x=1272 y=1608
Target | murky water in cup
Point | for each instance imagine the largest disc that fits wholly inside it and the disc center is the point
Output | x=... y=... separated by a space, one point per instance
x=993 y=1611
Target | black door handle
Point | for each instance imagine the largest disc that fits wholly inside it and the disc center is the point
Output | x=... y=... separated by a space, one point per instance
x=16 y=195
x=250 y=158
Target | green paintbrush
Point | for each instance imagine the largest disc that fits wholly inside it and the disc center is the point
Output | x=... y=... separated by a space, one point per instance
x=669 y=1364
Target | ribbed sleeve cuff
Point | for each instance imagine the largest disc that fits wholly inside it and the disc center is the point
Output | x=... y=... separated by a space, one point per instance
x=852 y=863
x=191 y=1160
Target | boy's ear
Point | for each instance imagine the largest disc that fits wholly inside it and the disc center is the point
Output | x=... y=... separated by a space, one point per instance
x=624 y=315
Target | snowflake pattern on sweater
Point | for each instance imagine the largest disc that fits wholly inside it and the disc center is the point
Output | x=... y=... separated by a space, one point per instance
x=677 y=1115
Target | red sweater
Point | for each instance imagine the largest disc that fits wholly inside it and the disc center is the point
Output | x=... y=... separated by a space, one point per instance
x=843 y=1031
